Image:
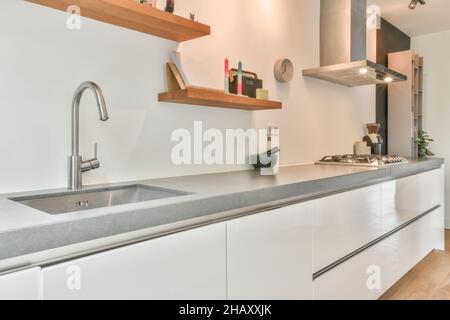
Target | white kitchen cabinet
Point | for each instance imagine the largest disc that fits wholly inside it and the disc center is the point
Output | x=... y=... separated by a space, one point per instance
x=21 y=285
x=187 y=265
x=369 y=274
x=270 y=255
x=344 y=223
x=273 y=254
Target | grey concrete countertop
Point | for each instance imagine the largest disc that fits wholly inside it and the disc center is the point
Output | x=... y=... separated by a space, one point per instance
x=215 y=197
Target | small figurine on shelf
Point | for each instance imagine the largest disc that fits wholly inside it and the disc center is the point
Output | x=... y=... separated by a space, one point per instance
x=192 y=16
x=170 y=6
x=148 y=2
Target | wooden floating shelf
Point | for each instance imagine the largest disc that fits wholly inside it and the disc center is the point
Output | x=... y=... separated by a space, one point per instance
x=132 y=15
x=217 y=98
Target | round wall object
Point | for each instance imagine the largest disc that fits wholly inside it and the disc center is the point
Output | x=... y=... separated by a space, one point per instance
x=284 y=70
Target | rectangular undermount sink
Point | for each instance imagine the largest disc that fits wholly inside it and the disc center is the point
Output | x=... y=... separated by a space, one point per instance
x=99 y=198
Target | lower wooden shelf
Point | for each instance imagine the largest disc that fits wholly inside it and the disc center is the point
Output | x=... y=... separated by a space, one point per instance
x=216 y=98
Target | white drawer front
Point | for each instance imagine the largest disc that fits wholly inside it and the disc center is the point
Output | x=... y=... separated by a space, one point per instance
x=187 y=265
x=270 y=255
x=344 y=223
x=21 y=285
x=406 y=198
x=368 y=275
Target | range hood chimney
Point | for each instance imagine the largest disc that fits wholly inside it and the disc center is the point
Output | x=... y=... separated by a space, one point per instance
x=343 y=47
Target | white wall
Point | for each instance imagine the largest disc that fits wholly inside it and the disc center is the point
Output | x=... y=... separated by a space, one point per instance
x=436 y=49
x=42 y=63
x=318 y=118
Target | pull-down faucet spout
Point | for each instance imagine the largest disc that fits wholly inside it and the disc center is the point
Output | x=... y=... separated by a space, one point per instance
x=76 y=165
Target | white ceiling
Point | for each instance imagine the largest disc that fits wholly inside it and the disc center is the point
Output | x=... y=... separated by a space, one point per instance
x=430 y=18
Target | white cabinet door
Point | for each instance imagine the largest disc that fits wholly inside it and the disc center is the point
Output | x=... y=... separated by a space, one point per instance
x=344 y=223
x=371 y=273
x=21 y=285
x=270 y=255
x=187 y=265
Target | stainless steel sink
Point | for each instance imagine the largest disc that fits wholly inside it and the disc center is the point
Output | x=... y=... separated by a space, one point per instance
x=93 y=199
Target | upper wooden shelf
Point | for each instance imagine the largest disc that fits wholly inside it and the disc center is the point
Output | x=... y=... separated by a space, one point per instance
x=217 y=98
x=132 y=15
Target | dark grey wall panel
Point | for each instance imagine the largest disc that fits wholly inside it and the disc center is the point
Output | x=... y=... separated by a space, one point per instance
x=389 y=39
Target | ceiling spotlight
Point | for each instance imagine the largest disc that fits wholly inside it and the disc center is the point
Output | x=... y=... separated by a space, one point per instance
x=414 y=3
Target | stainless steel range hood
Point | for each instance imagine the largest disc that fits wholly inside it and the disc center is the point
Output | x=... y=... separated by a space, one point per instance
x=343 y=47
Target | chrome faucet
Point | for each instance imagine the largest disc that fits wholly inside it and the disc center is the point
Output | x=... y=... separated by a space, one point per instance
x=76 y=164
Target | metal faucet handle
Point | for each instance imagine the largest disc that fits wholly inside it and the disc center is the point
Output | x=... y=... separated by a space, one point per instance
x=95 y=150
x=93 y=163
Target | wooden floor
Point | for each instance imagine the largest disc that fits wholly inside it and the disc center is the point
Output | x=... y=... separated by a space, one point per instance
x=429 y=280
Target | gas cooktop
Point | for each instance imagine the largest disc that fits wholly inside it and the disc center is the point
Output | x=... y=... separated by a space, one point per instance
x=363 y=160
